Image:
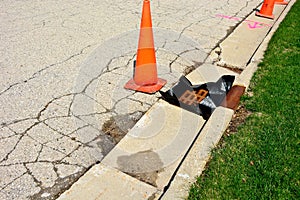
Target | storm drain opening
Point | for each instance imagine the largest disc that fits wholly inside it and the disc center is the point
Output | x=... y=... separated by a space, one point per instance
x=200 y=99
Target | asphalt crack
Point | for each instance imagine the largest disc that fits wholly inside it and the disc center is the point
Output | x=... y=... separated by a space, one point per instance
x=38 y=73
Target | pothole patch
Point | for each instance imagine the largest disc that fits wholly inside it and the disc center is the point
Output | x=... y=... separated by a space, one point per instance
x=118 y=126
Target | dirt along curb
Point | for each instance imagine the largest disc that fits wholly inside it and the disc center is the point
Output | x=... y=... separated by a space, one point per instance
x=164 y=152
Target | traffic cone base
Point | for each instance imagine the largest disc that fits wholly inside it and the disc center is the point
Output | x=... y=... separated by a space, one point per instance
x=131 y=85
x=266 y=9
x=281 y=2
x=263 y=15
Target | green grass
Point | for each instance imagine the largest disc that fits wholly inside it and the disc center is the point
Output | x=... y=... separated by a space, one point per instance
x=261 y=160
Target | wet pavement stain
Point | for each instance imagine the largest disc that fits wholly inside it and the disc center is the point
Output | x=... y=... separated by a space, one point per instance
x=144 y=165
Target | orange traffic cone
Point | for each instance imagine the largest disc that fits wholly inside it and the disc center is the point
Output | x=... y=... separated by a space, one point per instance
x=281 y=2
x=266 y=9
x=145 y=71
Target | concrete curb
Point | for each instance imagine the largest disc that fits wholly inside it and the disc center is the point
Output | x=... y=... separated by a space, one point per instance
x=93 y=185
x=245 y=39
x=108 y=180
x=245 y=77
x=199 y=154
x=188 y=171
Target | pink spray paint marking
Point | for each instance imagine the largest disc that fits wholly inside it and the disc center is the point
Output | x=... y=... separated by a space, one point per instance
x=251 y=24
x=255 y=24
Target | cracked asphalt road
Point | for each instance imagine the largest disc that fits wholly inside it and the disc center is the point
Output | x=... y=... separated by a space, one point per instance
x=63 y=66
